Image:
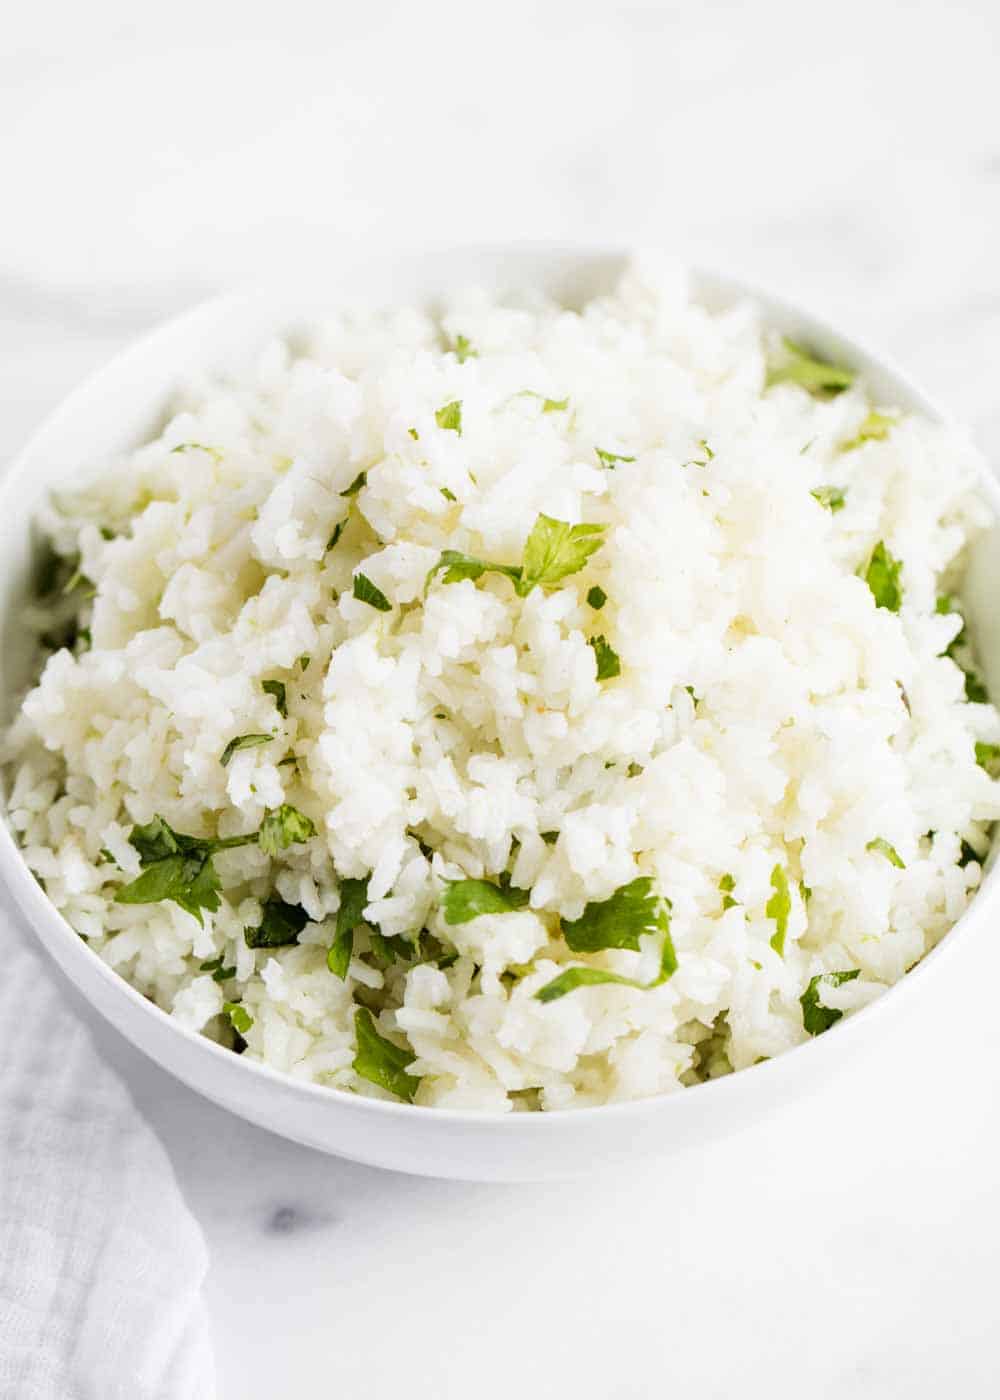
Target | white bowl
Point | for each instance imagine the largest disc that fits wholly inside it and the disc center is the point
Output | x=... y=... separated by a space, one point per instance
x=127 y=401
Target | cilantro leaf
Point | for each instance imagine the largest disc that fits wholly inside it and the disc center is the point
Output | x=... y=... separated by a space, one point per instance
x=832 y=498
x=986 y=754
x=817 y=1018
x=882 y=577
x=239 y=1017
x=280 y=925
x=338 y=530
x=778 y=908
x=574 y=977
x=359 y=481
x=450 y=417
x=213 y=452
x=277 y=689
x=882 y=846
x=189 y=881
x=220 y=973
x=467 y=899
x=727 y=884
x=463 y=349
x=611 y=459
x=353 y=898
x=597 y=597
x=554 y=550
x=243 y=741
x=875 y=428
x=800 y=367
x=620 y=920
x=608 y=664
x=381 y=1061
x=283 y=827
x=366 y=592
x=458 y=566
x=548 y=405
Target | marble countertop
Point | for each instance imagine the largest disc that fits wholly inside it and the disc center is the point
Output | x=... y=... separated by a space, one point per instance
x=850 y=159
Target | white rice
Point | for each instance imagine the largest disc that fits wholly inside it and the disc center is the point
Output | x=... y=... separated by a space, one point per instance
x=767 y=712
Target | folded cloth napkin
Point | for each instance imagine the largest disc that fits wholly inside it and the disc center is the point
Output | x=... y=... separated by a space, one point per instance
x=101 y=1262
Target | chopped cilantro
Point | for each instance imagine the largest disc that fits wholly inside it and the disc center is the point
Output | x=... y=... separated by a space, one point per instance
x=106 y=857
x=832 y=498
x=280 y=925
x=338 y=530
x=597 y=597
x=463 y=349
x=882 y=846
x=458 y=566
x=243 y=741
x=975 y=691
x=213 y=452
x=611 y=459
x=219 y=972
x=986 y=754
x=285 y=826
x=413 y=434
x=381 y=1061
x=817 y=1018
x=467 y=899
x=554 y=550
x=778 y=908
x=727 y=884
x=356 y=484
x=550 y=837
x=574 y=977
x=608 y=664
x=882 y=577
x=304 y=661
x=620 y=920
x=449 y=417
x=177 y=867
x=277 y=689
x=875 y=428
x=353 y=898
x=448 y=495
x=800 y=367
x=366 y=592
x=239 y=1017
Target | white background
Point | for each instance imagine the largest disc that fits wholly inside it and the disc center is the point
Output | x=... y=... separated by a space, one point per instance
x=847 y=154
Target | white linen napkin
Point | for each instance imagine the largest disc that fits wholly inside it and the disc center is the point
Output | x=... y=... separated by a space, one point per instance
x=101 y=1262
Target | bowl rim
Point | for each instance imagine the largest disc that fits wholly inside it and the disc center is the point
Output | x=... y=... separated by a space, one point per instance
x=36 y=905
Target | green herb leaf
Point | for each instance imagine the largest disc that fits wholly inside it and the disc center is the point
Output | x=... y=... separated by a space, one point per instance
x=611 y=459
x=620 y=920
x=213 y=452
x=597 y=597
x=463 y=349
x=550 y=837
x=338 y=530
x=986 y=754
x=353 y=898
x=875 y=428
x=833 y=498
x=554 y=550
x=413 y=434
x=882 y=577
x=450 y=417
x=975 y=691
x=381 y=1061
x=189 y=881
x=448 y=495
x=285 y=826
x=277 y=689
x=243 y=741
x=219 y=972
x=575 y=977
x=882 y=846
x=608 y=664
x=280 y=925
x=727 y=884
x=458 y=566
x=778 y=908
x=356 y=484
x=467 y=899
x=800 y=367
x=366 y=592
x=817 y=1018
x=239 y=1017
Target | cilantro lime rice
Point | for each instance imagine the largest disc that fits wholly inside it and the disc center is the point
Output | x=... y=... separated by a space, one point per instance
x=516 y=708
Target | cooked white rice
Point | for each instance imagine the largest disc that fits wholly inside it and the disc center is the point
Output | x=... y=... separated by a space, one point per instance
x=768 y=715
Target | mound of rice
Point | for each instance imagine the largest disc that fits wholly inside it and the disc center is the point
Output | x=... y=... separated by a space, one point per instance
x=742 y=689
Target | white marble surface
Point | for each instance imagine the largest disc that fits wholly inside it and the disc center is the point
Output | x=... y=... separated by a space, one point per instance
x=849 y=155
